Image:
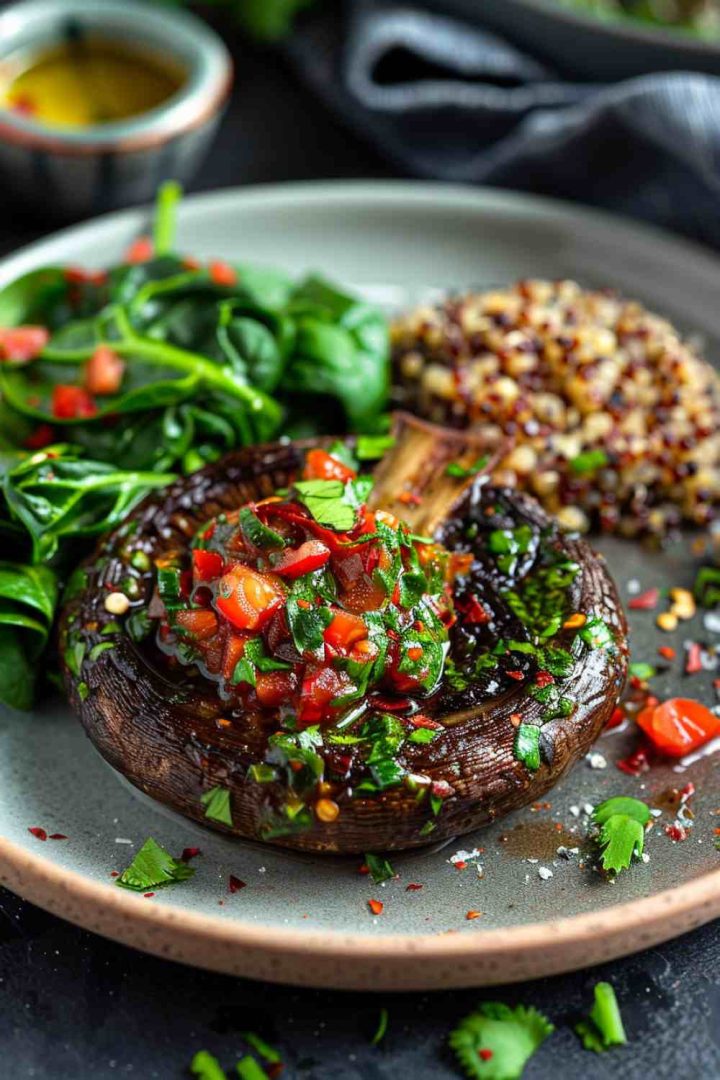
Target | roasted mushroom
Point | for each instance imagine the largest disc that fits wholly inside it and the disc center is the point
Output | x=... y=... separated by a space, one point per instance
x=276 y=648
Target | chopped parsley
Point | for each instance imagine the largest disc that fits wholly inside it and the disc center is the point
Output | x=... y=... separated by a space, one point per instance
x=152 y=868
x=381 y=1028
x=217 y=805
x=206 y=1067
x=373 y=447
x=620 y=831
x=588 y=462
x=642 y=671
x=496 y=1041
x=527 y=746
x=603 y=1028
x=380 y=868
x=334 y=503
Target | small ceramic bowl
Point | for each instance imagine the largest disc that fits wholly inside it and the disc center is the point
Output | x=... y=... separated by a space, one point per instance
x=72 y=172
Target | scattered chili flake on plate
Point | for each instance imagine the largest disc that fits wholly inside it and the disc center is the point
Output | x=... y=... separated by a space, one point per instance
x=190 y=853
x=645 y=601
x=235 y=884
x=473 y=915
x=376 y=906
x=414 y=886
x=38 y=833
x=57 y=836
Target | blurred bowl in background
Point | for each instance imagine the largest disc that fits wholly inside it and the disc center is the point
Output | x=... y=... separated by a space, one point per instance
x=581 y=43
x=77 y=169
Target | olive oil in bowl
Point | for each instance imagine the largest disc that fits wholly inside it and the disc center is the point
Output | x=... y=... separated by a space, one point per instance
x=86 y=81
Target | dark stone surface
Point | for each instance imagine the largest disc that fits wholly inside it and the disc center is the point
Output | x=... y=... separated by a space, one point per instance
x=75 y=1006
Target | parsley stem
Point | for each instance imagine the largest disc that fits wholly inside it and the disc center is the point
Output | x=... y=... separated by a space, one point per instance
x=606 y=1015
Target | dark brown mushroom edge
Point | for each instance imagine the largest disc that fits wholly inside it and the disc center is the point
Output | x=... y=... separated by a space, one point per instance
x=282 y=649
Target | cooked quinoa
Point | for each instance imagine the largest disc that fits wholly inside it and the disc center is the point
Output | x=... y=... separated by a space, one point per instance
x=613 y=417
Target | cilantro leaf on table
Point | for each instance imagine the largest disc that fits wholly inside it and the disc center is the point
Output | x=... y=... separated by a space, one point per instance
x=380 y=868
x=620 y=831
x=152 y=868
x=206 y=1067
x=496 y=1041
x=603 y=1028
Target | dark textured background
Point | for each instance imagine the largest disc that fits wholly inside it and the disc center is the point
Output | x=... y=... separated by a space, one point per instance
x=75 y=1006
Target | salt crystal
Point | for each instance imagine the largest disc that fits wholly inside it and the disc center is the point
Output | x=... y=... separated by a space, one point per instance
x=596 y=761
x=545 y=873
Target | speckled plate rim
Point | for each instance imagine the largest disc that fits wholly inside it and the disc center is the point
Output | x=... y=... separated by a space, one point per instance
x=362 y=961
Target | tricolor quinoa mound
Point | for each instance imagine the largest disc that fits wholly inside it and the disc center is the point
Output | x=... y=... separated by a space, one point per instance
x=614 y=417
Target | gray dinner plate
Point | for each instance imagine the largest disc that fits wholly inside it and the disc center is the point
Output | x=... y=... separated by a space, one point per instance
x=306 y=919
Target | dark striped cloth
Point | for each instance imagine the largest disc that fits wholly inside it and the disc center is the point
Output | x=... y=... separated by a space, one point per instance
x=445 y=99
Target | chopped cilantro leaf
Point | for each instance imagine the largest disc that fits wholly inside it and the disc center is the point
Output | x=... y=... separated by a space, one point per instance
x=604 y=1027
x=423 y=735
x=217 y=805
x=152 y=868
x=333 y=503
x=462 y=473
x=257 y=533
x=597 y=634
x=372 y=447
x=247 y=1068
x=588 y=462
x=620 y=831
x=380 y=869
x=527 y=746
x=642 y=671
x=267 y=1052
x=508 y=1036
x=206 y=1067
x=306 y=618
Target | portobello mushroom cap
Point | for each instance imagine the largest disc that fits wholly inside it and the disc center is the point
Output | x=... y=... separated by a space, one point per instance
x=173 y=736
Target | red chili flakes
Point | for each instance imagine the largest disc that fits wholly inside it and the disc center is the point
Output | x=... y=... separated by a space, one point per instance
x=515 y=719
x=235 y=884
x=442 y=789
x=473 y=915
x=190 y=853
x=376 y=906
x=57 y=836
x=716 y=832
x=676 y=833
x=21 y=344
x=517 y=675
x=544 y=678
x=409 y=498
x=363 y=868
x=38 y=833
x=460 y=864
x=222 y=274
x=274 y=1069
x=114 y=873
x=415 y=652
x=635 y=764
x=667 y=652
x=147 y=895
x=76 y=275
x=415 y=886
x=693 y=660
x=484 y=1054
x=687 y=792
x=140 y=251
x=645 y=601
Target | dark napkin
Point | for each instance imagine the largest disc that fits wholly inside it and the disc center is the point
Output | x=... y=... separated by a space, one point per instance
x=445 y=99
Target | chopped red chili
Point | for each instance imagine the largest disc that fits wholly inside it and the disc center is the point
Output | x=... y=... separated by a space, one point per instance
x=645 y=601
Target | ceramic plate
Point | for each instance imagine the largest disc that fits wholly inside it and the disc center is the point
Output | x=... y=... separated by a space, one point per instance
x=305 y=919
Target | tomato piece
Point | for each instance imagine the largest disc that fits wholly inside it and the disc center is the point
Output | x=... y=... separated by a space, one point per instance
x=104 y=372
x=320 y=687
x=222 y=274
x=140 y=251
x=303 y=560
x=77 y=275
x=319 y=465
x=234 y=650
x=247 y=598
x=200 y=623
x=679 y=725
x=207 y=565
x=344 y=631
x=72 y=403
x=275 y=688
x=23 y=343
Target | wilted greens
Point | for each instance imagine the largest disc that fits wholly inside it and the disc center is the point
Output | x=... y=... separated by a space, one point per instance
x=155 y=367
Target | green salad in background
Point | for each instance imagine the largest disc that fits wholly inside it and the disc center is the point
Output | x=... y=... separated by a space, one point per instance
x=113 y=382
x=701 y=17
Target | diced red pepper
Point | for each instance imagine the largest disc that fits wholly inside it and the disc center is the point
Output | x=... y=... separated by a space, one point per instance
x=198 y=622
x=72 y=403
x=104 y=372
x=376 y=906
x=140 y=251
x=303 y=560
x=667 y=652
x=645 y=601
x=21 y=344
x=544 y=678
x=319 y=465
x=320 y=687
x=76 y=275
x=616 y=718
x=234 y=649
x=679 y=726
x=474 y=612
x=222 y=274
x=207 y=565
x=344 y=631
x=247 y=598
